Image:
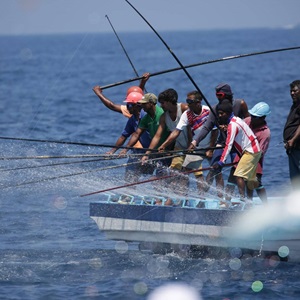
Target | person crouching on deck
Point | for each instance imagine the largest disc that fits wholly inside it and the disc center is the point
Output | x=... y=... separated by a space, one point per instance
x=240 y=136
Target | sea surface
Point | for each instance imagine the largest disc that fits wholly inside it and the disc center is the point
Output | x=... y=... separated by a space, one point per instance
x=49 y=246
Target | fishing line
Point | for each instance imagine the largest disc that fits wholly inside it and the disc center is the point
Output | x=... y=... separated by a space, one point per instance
x=51 y=165
x=58 y=79
x=126 y=53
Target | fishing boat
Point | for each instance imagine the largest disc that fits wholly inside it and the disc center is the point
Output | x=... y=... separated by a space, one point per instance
x=197 y=222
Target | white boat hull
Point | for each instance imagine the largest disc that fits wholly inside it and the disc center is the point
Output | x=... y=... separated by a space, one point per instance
x=190 y=226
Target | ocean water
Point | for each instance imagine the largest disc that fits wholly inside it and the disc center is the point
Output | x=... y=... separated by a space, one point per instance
x=49 y=247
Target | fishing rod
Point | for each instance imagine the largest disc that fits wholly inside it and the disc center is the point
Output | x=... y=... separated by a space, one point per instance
x=177 y=59
x=92 y=145
x=153 y=179
x=126 y=53
x=69 y=143
x=103 y=157
x=50 y=165
x=83 y=172
x=200 y=64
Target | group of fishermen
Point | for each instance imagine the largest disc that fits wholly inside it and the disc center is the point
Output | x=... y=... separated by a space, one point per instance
x=179 y=136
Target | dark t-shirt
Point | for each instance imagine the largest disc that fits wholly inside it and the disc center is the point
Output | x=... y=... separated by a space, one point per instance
x=291 y=125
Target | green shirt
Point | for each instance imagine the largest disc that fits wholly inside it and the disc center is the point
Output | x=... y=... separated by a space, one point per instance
x=151 y=125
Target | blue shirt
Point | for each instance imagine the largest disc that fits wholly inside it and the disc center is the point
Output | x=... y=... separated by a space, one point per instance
x=131 y=127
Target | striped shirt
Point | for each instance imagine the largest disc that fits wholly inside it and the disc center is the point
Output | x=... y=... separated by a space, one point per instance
x=239 y=135
x=189 y=118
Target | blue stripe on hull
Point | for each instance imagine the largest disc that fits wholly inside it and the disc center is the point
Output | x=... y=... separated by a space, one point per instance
x=164 y=214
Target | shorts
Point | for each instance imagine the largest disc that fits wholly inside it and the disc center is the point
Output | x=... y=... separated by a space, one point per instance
x=177 y=162
x=247 y=165
x=193 y=162
x=232 y=179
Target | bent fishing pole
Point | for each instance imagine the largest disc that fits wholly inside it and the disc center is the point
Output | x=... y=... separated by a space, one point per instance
x=177 y=60
x=200 y=64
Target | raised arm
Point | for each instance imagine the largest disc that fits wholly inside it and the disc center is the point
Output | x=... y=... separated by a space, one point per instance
x=107 y=102
x=144 y=80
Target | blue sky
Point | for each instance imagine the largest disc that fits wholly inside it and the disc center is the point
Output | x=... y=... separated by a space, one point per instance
x=64 y=16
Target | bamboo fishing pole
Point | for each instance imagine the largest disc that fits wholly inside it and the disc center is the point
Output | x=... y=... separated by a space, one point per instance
x=152 y=74
x=153 y=179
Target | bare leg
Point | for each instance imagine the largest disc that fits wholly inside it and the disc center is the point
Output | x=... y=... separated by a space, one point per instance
x=241 y=186
x=249 y=193
x=220 y=184
x=262 y=194
x=229 y=191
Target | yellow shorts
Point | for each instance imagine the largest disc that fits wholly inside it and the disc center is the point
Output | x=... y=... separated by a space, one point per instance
x=177 y=162
x=247 y=165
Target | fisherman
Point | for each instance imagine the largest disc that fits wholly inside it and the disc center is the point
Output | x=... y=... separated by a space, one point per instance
x=291 y=135
x=193 y=118
x=240 y=109
x=121 y=108
x=168 y=122
x=257 y=122
x=149 y=122
x=240 y=136
x=134 y=169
